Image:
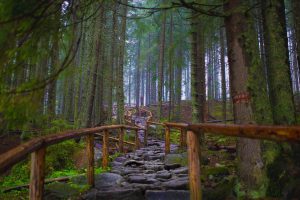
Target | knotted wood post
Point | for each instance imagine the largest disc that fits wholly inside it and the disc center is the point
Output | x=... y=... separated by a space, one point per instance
x=90 y=155
x=182 y=138
x=167 y=140
x=137 y=141
x=37 y=174
x=194 y=165
x=105 y=150
x=121 y=140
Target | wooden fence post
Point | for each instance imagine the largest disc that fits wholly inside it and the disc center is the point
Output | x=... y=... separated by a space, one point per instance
x=167 y=140
x=194 y=165
x=37 y=174
x=137 y=141
x=121 y=140
x=105 y=150
x=91 y=161
x=182 y=138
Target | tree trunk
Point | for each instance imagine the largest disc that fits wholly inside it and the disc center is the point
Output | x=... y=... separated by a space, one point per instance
x=112 y=63
x=296 y=8
x=120 y=88
x=198 y=72
x=98 y=42
x=161 y=64
x=223 y=75
x=281 y=97
x=53 y=67
x=171 y=69
x=137 y=77
x=248 y=90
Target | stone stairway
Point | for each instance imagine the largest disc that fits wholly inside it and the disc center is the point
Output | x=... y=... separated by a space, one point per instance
x=143 y=174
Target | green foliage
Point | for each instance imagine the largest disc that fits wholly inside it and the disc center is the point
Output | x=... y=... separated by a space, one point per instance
x=15 y=195
x=60 y=156
x=114 y=156
x=99 y=170
x=65 y=172
x=19 y=175
x=129 y=136
x=175 y=136
x=59 y=125
x=17 y=111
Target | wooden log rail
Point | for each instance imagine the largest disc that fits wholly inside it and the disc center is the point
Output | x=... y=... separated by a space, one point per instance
x=274 y=133
x=190 y=134
x=182 y=127
x=37 y=149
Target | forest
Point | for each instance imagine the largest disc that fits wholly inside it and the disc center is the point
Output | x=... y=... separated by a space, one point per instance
x=150 y=99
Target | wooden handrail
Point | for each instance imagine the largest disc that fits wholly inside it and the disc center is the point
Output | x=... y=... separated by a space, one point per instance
x=37 y=148
x=189 y=135
x=155 y=123
x=191 y=132
x=116 y=139
x=176 y=125
x=276 y=133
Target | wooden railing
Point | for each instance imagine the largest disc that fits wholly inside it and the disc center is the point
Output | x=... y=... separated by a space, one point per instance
x=37 y=149
x=190 y=134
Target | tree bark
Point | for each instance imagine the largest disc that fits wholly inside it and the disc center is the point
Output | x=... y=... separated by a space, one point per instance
x=248 y=90
x=137 y=76
x=161 y=64
x=120 y=88
x=98 y=42
x=281 y=97
x=223 y=74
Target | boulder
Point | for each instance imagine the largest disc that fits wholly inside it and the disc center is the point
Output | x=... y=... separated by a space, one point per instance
x=172 y=166
x=107 y=180
x=177 y=184
x=176 y=159
x=59 y=190
x=181 y=170
x=121 y=194
x=167 y=195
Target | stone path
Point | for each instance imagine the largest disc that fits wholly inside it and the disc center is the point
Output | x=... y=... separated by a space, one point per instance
x=143 y=174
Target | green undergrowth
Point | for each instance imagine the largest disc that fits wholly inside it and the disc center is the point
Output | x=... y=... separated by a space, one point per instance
x=45 y=128
x=19 y=176
x=59 y=162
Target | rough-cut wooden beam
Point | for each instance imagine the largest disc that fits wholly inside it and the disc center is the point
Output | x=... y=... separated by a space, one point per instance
x=182 y=138
x=132 y=127
x=194 y=165
x=176 y=125
x=219 y=121
x=20 y=152
x=90 y=157
x=53 y=139
x=156 y=123
x=105 y=150
x=277 y=133
x=167 y=140
x=121 y=140
x=37 y=174
x=116 y=139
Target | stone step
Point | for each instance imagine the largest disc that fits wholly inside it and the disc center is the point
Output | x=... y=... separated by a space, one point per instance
x=167 y=195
